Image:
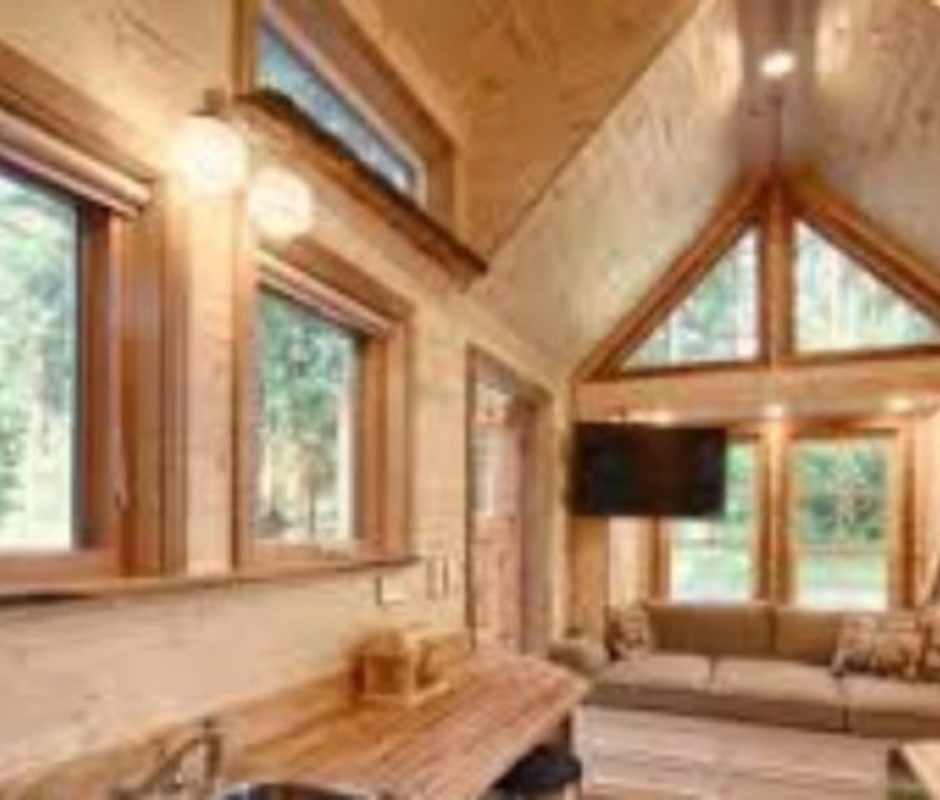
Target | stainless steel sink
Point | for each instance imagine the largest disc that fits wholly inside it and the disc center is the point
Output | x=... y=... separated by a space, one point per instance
x=293 y=791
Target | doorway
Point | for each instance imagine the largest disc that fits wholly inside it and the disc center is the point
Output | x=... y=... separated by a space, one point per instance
x=506 y=556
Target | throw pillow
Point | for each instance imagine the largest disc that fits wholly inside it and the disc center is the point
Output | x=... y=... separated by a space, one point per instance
x=890 y=645
x=930 y=623
x=628 y=631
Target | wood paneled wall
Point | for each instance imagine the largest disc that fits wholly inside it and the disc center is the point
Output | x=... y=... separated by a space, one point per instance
x=876 y=97
x=89 y=675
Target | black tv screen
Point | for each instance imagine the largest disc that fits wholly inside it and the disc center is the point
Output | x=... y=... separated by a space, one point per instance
x=645 y=471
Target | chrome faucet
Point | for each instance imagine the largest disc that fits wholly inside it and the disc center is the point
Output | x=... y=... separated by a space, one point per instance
x=169 y=778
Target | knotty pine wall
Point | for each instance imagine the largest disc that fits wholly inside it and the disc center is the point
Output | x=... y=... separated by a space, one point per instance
x=621 y=209
x=89 y=675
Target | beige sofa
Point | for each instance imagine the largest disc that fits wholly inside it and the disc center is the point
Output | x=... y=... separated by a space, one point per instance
x=766 y=664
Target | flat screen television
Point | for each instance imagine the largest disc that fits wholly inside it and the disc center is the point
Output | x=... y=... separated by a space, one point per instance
x=644 y=471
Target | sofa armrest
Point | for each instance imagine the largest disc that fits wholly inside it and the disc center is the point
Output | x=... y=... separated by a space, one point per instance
x=580 y=654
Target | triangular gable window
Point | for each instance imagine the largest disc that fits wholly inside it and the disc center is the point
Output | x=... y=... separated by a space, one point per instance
x=839 y=306
x=717 y=322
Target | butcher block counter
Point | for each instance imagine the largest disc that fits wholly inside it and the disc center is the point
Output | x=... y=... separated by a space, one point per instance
x=452 y=747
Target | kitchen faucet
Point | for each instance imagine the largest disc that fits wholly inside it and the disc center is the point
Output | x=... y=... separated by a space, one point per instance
x=169 y=777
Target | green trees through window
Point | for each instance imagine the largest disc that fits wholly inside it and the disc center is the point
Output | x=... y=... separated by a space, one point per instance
x=307 y=384
x=281 y=68
x=713 y=560
x=717 y=322
x=840 y=306
x=840 y=522
x=39 y=280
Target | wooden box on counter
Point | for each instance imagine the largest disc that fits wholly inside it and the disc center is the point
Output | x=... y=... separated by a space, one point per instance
x=407 y=666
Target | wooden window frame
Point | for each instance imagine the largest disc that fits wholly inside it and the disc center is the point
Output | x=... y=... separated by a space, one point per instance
x=130 y=336
x=901 y=545
x=96 y=532
x=892 y=265
x=319 y=279
x=740 y=210
x=660 y=553
x=775 y=564
x=333 y=42
x=775 y=205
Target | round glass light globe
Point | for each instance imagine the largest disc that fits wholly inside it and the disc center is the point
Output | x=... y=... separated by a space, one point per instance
x=210 y=155
x=280 y=204
x=778 y=64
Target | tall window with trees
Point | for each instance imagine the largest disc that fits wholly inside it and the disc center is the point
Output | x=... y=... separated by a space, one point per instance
x=843 y=509
x=714 y=560
x=717 y=322
x=40 y=284
x=308 y=399
x=322 y=414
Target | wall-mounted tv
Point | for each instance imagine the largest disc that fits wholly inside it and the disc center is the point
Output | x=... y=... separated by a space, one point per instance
x=645 y=471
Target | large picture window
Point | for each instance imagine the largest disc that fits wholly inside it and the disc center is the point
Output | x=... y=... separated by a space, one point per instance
x=841 y=521
x=714 y=560
x=814 y=517
x=40 y=278
x=308 y=403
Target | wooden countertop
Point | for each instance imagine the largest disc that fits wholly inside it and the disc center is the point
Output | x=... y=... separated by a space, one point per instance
x=453 y=747
x=924 y=760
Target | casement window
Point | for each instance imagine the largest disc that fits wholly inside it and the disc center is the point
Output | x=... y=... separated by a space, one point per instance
x=308 y=384
x=289 y=67
x=323 y=428
x=40 y=295
x=715 y=560
x=59 y=477
x=843 y=520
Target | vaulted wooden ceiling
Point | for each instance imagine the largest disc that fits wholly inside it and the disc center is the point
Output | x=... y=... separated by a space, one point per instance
x=627 y=203
x=531 y=80
x=600 y=134
x=876 y=123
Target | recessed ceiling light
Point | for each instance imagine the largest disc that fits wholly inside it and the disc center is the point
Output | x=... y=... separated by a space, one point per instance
x=661 y=417
x=775 y=411
x=778 y=64
x=899 y=404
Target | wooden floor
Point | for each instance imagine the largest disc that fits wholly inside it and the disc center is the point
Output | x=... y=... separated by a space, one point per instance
x=647 y=756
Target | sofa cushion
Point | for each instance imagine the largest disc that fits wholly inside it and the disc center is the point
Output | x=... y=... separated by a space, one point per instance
x=738 y=629
x=804 y=635
x=675 y=682
x=890 y=708
x=778 y=692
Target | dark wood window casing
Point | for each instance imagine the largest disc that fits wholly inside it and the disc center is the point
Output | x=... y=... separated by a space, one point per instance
x=316 y=278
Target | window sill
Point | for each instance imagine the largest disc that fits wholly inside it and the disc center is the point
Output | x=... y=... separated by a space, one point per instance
x=278 y=125
x=55 y=594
